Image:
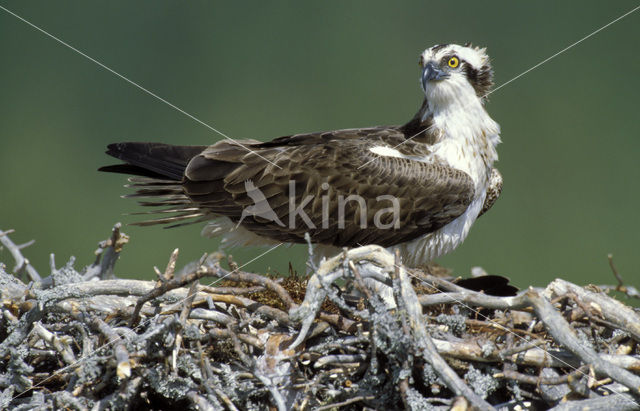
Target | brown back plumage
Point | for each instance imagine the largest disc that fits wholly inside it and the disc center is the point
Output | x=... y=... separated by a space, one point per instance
x=201 y=183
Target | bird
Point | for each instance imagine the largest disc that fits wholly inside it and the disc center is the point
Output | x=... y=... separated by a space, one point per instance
x=416 y=187
x=261 y=206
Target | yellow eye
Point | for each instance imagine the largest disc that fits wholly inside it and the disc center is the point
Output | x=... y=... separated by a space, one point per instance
x=453 y=62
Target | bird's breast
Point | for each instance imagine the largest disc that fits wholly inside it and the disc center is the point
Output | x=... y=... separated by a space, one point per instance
x=467 y=143
x=467 y=156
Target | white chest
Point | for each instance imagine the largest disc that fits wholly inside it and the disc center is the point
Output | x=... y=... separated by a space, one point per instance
x=467 y=143
x=463 y=155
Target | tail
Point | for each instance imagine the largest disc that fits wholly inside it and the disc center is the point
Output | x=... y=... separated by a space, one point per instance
x=158 y=169
x=154 y=160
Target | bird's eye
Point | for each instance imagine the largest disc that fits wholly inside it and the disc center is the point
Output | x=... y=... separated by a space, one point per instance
x=453 y=62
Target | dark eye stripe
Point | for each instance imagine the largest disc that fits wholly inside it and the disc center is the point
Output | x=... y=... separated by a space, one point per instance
x=472 y=73
x=480 y=79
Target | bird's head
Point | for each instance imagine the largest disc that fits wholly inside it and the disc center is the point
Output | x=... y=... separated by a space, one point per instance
x=451 y=72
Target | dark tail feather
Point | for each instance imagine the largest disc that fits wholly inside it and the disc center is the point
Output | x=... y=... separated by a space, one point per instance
x=131 y=170
x=155 y=160
x=159 y=169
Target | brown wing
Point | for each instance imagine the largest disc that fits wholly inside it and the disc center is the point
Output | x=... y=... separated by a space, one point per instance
x=493 y=191
x=319 y=172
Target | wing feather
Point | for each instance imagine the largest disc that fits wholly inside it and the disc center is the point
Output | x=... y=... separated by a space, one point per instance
x=430 y=194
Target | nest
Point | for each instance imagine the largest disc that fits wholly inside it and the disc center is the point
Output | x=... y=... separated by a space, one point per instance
x=361 y=332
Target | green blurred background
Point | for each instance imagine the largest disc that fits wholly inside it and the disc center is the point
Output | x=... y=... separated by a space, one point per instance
x=262 y=70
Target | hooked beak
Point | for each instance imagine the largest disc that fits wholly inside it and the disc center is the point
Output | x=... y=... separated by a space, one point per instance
x=432 y=72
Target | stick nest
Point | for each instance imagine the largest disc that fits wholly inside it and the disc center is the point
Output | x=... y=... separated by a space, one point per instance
x=361 y=332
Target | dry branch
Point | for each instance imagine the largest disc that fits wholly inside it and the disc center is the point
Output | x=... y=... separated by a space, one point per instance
x=361 y=332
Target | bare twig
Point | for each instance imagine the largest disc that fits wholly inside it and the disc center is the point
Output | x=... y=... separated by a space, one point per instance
x=56 y=342
x=618 y=402
x=249 y=362
x=430 y=353
x=311 y=259
x=353 y=400
x=256 y=279
x=171 y=283
x=120 y=352
x=563 y=333
x=186 y=309
x=614 y=270
x=611 y=309
x=21 y=262
x=385 y=349
x=112 y=248
x=536 y=380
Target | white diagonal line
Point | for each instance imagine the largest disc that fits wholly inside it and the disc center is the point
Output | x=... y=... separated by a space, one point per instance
x=562 y=51
x=107 y=344
x=529 y=69
x=136 y=85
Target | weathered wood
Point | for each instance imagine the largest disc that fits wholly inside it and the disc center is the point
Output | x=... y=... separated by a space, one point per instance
x=83 y=341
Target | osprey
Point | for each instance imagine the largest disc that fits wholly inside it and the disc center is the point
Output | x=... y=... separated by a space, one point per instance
x=417 y=187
